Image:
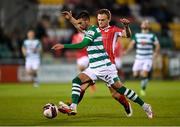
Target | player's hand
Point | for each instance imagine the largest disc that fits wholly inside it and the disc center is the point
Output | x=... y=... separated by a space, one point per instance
x=57 y=47
x=125 y=21
x=67 y=15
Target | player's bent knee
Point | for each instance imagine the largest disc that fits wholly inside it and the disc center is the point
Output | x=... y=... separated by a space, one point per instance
x=117 y=85
x=144 y=73
x=84 y=87
x=29 y=72
x=115 y=95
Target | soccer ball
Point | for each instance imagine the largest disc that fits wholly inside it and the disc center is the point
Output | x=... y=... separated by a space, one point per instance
x=50 y=110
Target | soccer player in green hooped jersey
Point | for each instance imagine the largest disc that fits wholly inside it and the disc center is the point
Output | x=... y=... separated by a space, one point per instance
x=110 y=35
x=145 y=51
x=100 y=67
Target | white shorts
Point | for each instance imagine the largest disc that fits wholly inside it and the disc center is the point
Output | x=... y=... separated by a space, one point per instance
x=142 y=65
x=107 y=74
x=32 y=65
x=83 y=61
x=118 y=63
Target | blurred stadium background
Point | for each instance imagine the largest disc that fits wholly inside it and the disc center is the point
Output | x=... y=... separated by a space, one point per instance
x=17 y=16
x=21 y=104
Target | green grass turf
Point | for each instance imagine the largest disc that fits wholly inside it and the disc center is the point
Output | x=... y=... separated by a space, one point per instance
x=21 y=104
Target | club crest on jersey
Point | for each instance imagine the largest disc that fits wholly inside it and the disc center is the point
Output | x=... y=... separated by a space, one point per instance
x=143 y=42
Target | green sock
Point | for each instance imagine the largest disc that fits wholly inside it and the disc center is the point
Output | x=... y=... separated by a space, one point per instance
x=76 y=90
x=144 y=82
x=75 y=98
x=131 y=95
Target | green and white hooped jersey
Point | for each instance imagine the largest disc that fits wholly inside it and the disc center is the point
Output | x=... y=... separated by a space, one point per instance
x=96 y=52
x=144 y=45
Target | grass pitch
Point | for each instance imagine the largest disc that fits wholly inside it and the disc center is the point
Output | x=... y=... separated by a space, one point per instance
x=21 y=105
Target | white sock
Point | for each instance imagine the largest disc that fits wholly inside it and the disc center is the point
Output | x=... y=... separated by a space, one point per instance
x=144 y=106
x=73 y=106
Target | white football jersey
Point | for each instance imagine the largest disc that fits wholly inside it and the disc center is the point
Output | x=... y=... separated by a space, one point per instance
x=31 y=46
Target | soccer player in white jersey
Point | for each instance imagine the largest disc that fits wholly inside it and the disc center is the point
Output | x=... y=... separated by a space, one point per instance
x=145 y=41
x=31 y=50
x=100 y=67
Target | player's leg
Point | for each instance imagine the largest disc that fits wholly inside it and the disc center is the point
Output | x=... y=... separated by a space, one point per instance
x=122 y=100
x=136 y=74
x=133 y=97
x=64 y=108
x=144 y=75
x=86 y=76
x=144 y=82
x=110 y=76
x=118 y=64
x=35 y=78
x=136 y=68
x=82 y=64
x=75 y=96
x=118 y=86
x=35 y=67
x=81 y=67
x=84 y=86
x=29 y=71
x=137 y=71
x=76 y=87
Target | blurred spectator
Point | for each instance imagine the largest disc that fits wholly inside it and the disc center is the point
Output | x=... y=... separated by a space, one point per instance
x=163 y=14
x=121 y=10
x=41 y=27
x=17 y=41
x=160 y=12
x=165 y=31
x=41 y=33
x=50 y=24
x=5 y=41
x=146 y=9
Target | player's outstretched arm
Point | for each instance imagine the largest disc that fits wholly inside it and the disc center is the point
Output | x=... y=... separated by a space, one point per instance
x=80 y=45
x=129 y=48
x=23 y=51
x=57 y=47
x=68 y=16
x=127 y=31
x=156 y=50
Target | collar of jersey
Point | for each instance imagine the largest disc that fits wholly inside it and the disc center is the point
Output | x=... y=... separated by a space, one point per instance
x=106 y=28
